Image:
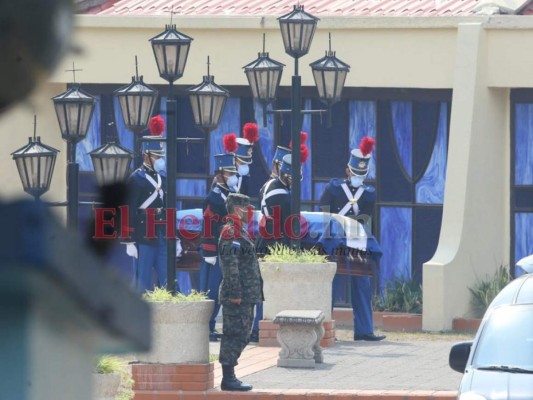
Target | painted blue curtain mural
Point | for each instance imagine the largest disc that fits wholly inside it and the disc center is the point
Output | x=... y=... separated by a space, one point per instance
x=91 y=141
x=522 y=187
x=412 y=149
x=408 y=165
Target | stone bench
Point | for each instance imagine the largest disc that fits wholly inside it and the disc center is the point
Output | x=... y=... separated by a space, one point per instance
x=299 y=335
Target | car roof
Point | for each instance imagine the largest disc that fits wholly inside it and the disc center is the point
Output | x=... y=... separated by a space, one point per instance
x=518 y=291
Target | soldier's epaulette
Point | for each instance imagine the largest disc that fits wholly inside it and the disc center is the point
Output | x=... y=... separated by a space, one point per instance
x=227 y=232
x=334 y=185
x=369 y=189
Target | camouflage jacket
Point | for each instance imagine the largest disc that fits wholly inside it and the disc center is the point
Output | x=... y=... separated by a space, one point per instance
x=241 y=278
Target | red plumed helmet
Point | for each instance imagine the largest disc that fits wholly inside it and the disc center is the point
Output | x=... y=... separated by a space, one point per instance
x=367 y=145
x=250 y=132
x=230 y=142
x=157 y=125
x=304 y=153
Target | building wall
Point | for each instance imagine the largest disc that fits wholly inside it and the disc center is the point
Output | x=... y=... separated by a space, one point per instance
x=480 y=61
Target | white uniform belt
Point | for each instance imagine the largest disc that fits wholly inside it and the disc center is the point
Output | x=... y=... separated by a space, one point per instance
x=158 y=191
x=352 y=199
x=267 y=194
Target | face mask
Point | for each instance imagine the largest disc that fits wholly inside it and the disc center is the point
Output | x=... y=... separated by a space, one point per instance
x=243 y=170
x=232 y=182
x=356 y=181
x=160 y=165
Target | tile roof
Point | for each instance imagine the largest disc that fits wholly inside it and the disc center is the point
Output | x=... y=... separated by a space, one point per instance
x=354 y=8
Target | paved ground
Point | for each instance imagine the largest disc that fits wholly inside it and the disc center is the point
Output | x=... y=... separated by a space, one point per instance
x=400 y=362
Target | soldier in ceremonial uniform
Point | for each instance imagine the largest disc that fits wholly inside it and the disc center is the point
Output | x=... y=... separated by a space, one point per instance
x=276 y=161
x=214 y=211
x=352 y=198
x=146 y=191
x=240 y=290
x=243 y=149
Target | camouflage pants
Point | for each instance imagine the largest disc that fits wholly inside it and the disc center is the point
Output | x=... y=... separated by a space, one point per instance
x=236 y=325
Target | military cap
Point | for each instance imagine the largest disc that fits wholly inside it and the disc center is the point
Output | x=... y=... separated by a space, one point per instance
x=225 y=162
x=360 y=158
x=280 y=153
x=153 y=145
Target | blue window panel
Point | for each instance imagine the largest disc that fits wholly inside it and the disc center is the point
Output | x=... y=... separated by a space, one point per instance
x=307 y=168
x=394 y=183
x=362 y=122
x=266 y=134
x=319 y=189
x=396 y=239
x=192 y=157
x=331 y=143
x=430 y=189
x=91 y=141
x=125 y=137
x=402 y=124
x=426 y=232
x=524 y=144
x=523 y=245
x=425 y=126
x=191 y=187
x=230 y=122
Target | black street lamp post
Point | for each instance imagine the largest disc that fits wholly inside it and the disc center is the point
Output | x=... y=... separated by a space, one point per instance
x=297 y=30
x=74 y=109
x=171 y=49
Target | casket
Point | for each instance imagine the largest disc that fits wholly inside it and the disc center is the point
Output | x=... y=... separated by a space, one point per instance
x=344 y=241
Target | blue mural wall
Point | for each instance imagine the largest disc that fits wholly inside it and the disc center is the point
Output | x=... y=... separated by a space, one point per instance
x=522 y=180
x=407 y=167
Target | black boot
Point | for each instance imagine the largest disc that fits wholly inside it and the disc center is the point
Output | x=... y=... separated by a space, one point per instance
x=230 y=382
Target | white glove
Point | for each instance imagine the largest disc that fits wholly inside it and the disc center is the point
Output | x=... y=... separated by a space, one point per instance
x=211 y=260
x=178 y=248
x=131 y=250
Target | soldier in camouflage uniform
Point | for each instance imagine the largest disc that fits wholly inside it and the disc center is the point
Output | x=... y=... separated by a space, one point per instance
x=240 y=290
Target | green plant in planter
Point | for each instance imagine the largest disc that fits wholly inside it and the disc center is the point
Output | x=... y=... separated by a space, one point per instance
x=106 y=364
x=401 y=295
x=164 y=295
x=484 y=291
x=284 y=254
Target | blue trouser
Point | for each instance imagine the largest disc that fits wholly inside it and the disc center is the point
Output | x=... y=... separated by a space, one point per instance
x=361 y=293
x=151 y=256
x=210 y=278
x=258 y=317
x=361 y=299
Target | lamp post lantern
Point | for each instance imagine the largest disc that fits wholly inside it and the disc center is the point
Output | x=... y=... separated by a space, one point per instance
x=137 y=101
x=74 y=110
x=171 y=49
x=297 y=30
x=35 y=164
x=111 y=163
x=207 y=101
x=264 y=76
x=330 y=74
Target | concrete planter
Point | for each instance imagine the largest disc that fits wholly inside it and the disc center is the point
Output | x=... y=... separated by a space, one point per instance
x=180 y=333
x=105 y=386
x=464 y=325
x=297 y=286
x=401 y=322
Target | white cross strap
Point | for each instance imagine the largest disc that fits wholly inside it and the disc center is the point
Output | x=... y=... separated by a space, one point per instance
x=267 y=194
x=352 y=199
x=158 y=191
